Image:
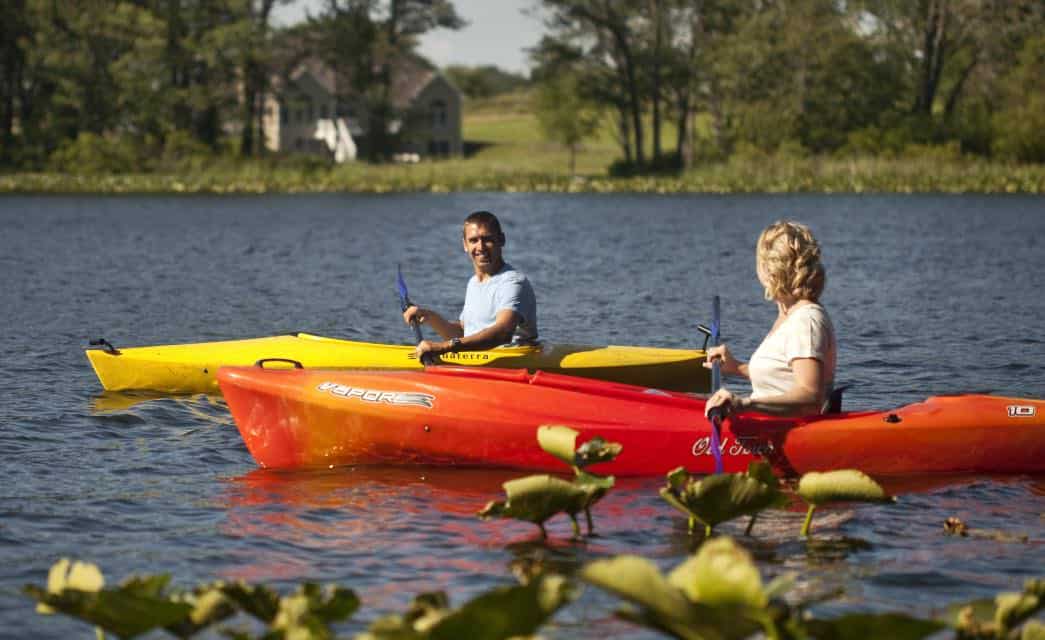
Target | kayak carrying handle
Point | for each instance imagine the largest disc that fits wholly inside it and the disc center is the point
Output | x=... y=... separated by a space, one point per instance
x=106 y=346
x=261 y=363
x=707 y=335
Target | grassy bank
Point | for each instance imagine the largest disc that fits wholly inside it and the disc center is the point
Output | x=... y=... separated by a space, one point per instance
x=513 y=156
x=867 y=175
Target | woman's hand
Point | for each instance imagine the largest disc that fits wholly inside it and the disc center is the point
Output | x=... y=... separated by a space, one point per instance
x=727 y=363
x=728 y=401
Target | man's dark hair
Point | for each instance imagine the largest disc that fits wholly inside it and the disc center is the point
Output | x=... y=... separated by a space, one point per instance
x=486 y=219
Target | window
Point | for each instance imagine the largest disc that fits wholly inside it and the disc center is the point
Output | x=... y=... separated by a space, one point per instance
x=323 y=111
x=437 y=111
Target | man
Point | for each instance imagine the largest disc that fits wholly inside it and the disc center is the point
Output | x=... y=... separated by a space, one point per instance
x=499 y=304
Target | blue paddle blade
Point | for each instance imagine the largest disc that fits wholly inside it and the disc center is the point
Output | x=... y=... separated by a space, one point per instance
x=716 y=383
x=404 y=297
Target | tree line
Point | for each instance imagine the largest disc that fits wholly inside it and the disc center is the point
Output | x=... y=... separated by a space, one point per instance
x=127 y=79
x=818 y=76
x=126 y=83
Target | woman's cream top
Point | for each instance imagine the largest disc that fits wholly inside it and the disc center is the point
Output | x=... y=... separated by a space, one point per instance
x=806 y=332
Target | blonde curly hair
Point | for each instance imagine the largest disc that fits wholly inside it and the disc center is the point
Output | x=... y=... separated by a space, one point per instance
x=788 y=261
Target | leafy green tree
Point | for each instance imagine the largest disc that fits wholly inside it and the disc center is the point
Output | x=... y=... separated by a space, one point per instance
x=565 y=116
x=484 y=81
x=1019 y=125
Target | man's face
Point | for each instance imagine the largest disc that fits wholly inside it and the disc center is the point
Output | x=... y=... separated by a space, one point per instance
x=483 y=246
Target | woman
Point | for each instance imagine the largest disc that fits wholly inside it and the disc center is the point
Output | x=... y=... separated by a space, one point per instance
x=793 y=371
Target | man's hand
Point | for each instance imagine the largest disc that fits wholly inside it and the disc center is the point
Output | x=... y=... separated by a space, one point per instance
x=414 y=312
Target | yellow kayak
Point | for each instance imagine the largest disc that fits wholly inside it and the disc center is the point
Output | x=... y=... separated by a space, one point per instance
x=191 y=368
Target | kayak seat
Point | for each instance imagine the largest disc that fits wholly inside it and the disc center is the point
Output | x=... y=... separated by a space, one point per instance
x=834 y=401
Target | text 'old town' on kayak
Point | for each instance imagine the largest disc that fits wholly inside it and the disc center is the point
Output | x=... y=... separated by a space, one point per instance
x=190 y=368
x=459 y=416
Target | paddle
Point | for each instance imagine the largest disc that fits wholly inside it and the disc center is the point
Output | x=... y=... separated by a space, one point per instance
x=715 y=415
x=404 y=303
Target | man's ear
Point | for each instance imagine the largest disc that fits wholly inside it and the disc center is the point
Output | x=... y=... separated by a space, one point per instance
x=503 y=240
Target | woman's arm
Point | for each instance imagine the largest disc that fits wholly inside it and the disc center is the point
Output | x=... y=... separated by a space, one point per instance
x=727 y=363
x=805 y=398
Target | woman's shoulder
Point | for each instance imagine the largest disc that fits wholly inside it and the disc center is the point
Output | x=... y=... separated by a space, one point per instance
x=814 y=313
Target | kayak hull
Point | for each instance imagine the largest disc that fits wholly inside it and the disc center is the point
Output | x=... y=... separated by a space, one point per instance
x=191 y=368
x=464 y=417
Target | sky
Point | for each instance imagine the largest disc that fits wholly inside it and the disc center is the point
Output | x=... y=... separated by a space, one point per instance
x=498 y=33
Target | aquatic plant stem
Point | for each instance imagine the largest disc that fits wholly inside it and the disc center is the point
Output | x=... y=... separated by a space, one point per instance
x=808 y=521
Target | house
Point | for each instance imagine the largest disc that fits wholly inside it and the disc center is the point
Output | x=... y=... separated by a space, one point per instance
x=303 y=114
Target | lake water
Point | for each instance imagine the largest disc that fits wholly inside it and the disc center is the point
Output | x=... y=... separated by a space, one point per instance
x=929 y=294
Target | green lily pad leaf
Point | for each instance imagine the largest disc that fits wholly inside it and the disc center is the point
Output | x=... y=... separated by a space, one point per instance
x=1014 y=608
x=969 y=615
x=859 y=626
x=780 y=585
x=763 y=472
x=725 y=496
x=663 y=606
x=537 y=498
x=678 y=478
x=121 y=613
x=1035 y=586
x=639 y=581
x=153 y=585
x=208 y=607
x=595 y=451
x=260 y=602
x=670 y=498
x=558 y=440
x=1033 y=630
x=68 y=574
x=309 y=611
x=595 y=486
x=426 y=610
x=508 y=611
x=847 y=485
x=722 y=573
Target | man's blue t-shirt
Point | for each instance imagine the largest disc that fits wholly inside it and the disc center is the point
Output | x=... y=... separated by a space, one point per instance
x=506 y=289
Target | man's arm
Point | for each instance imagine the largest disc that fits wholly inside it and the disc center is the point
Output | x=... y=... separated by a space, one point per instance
x=442 y=326
x=500 y=332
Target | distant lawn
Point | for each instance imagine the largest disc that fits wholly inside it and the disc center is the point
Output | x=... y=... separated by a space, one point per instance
x=512 y=139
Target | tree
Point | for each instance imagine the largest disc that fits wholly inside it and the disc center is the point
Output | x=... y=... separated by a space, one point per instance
x=1019 y=125
x=367 y=43
x=565 y=116
x=604 y=32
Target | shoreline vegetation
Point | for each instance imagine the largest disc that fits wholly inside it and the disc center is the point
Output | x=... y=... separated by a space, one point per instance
x=770 y=174
x=509 y=154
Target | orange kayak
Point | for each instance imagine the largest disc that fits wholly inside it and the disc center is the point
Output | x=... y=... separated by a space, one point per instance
x=468 y=417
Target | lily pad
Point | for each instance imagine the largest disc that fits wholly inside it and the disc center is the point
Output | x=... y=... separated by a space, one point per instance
x=558 y=440
x=516 y=611
x=718 y=498
x=537 y=498
x=663 y=605
x=561 y=442
x=847 y=485
x=595 y=451
x=721 y=573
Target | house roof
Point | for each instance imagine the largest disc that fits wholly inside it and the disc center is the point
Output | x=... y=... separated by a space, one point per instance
x=409 y=78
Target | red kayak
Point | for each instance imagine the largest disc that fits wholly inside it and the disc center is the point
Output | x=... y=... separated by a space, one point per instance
x=468 y=417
